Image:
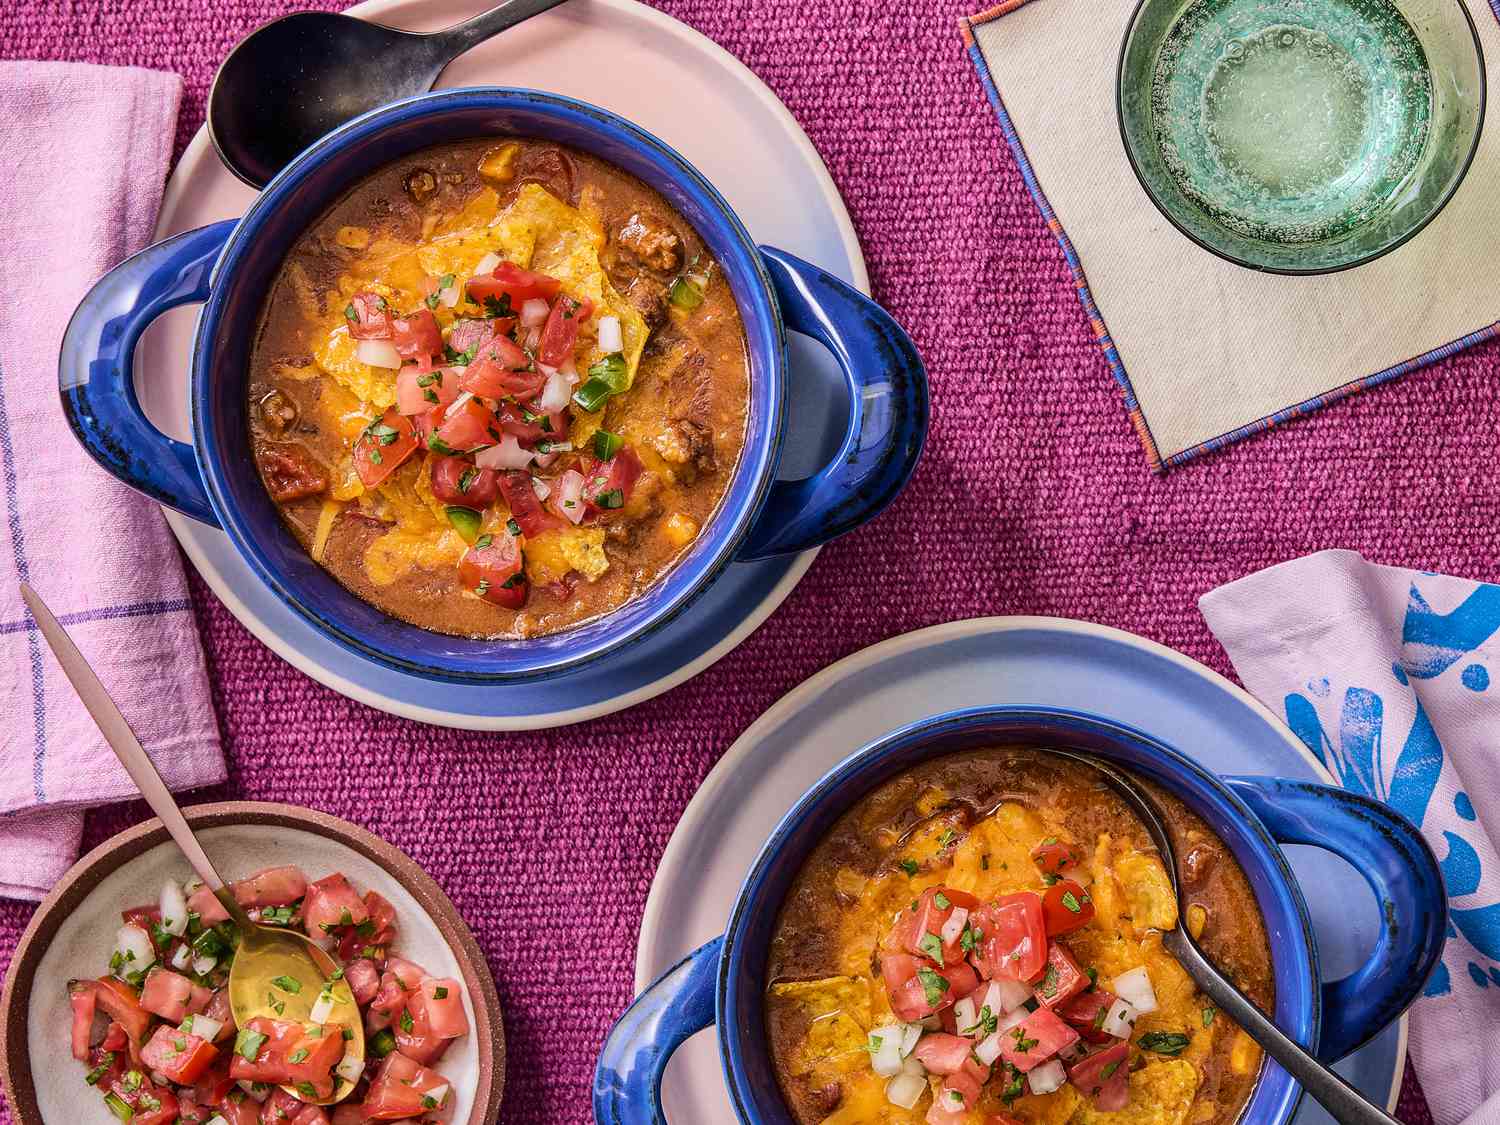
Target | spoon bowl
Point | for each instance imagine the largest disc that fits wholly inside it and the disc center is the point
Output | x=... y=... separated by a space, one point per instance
x=301 y=76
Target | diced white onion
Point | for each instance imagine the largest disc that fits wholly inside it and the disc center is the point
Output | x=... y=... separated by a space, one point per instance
x=257 y=1090
x=438 y=1094
x=378 y=353
x=457 y=404
x=965 y=1015
x=1073 y=1051
x=533 y=338
x=216 y=1119
x=955 y=924
x=182 y=957
x=1046 y=1078
x=323 y=1008
x=988 y=1049
x=204 y=964
x=909 y=1039
x=610 y=338
x=1012 y=995
x=448 y=295
x=570 y=369
x=541 y=488
x=487 y=264
x=1119 y=1020
x=174 y=909
x=886 y=1058
x=557 y=393
x=507 y=455
x=913 y=1065
x=159 y=1078
x=203 y=1027
x=1135 y=989
x=905 y=1090
x=351 y=1067
x=534 y=312
x=133 y=945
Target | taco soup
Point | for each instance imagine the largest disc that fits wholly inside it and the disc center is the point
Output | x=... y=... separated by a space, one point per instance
x=978 y=942
x=498 y=389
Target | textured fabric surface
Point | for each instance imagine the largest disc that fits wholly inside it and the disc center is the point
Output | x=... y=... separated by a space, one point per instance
x=1033 y=497
x=1279 y=346
x=1385 y=673
x=129 y=610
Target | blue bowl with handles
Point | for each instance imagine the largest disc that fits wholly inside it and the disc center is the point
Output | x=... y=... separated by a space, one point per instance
x=228 y=268
x=723 y=982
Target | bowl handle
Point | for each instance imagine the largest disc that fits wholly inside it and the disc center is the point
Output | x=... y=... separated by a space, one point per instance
x=96 y=369
x=887 y=388
x=1402 y=872
x=627 y=1081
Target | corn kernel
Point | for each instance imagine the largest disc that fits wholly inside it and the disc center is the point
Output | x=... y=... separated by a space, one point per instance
x=500 y=164
x=1197 y=918
x=680 y=529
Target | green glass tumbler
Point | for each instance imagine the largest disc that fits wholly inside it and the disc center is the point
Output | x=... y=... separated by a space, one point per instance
x=1301 y=136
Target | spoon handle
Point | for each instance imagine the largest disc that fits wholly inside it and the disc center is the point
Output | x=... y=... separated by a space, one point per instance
x=454 y=41
x=1346 y=1104
x=121 y=738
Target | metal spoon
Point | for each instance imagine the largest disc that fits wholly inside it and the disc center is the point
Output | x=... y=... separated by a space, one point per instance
x=299 y=77
x=1343 y=1101
x=266 y=954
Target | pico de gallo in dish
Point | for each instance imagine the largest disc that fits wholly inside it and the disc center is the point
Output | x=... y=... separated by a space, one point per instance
x=499 y=388
x=156 y=1037
x=978 y=942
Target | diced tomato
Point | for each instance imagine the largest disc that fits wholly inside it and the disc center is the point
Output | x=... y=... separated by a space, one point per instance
x=151 y=1104
x=1062 y=979
x=244 y=1111
x=199 y=999
x=399 y=1089
x=500 y=369
x=511 y=287
x=166 y=994
x=115 y=1038
x=389 y=1002
x=414 y=1034
x=316 y=1055
x=531 y=426
x=607 y=485
x=1066 y=907
x=457 y=480
x=382 y=913
x=382 y=447
x=330 y=903
x=189 y=1111
x=943 y=1054
x=425 y=425
x=1086 y=1012
x=955 y=1099
x=181 y=1056
x=409 y=973
x=561 y=331
x=469 y=334
x=917 y=990
x=1002 y=1119
x=218 y=1009
x=417 y=392
x=1055 y=856
x=119 y=1003
x=289 y=471
x=85 y=1003
x=492 y=568
x=364 y=980
x=110 y=1062
x=417 y=335
x=1036 y=1039
x=920 y=931
x=209 y=909
x=1014 y=941
x=368 y=316
x=282 y=1108
x=1104 y=1076
x=525 y=508
x=215 y=1085
x=444 y=999
x=465 y=427
x=145 y=918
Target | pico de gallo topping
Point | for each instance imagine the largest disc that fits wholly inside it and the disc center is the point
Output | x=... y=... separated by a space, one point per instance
x=159 y=1042
x=487 y=405
x=989 y=993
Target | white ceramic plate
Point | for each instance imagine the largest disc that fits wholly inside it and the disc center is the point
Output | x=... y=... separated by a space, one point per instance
x=80 y=945
x=708 y=105
x=987 y=661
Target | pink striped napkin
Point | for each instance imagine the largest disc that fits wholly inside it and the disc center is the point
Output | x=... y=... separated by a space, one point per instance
x=88 y=152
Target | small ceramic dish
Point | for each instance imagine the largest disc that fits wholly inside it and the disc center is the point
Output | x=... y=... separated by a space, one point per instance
x=79 y=918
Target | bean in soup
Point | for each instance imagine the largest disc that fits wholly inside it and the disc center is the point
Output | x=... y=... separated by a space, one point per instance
x=978 y=942
x=499 y=388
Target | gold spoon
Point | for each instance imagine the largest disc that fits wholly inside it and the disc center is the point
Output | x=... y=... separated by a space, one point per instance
x=269 y=958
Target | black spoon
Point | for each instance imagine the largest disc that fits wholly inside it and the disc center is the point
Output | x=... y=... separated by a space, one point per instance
x=299 y=77
x=1346 y=1104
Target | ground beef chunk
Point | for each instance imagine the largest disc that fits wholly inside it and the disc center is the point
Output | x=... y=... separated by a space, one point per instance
x=289 y=470
x=652 y=241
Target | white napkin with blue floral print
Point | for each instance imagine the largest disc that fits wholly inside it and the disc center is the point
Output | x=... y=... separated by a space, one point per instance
x=1386 y=674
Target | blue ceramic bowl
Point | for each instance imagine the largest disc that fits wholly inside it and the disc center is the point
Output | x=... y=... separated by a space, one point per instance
x=229 y=266
x=724 y=981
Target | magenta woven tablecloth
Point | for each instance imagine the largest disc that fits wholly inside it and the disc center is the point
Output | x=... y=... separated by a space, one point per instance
x=1033 y=497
